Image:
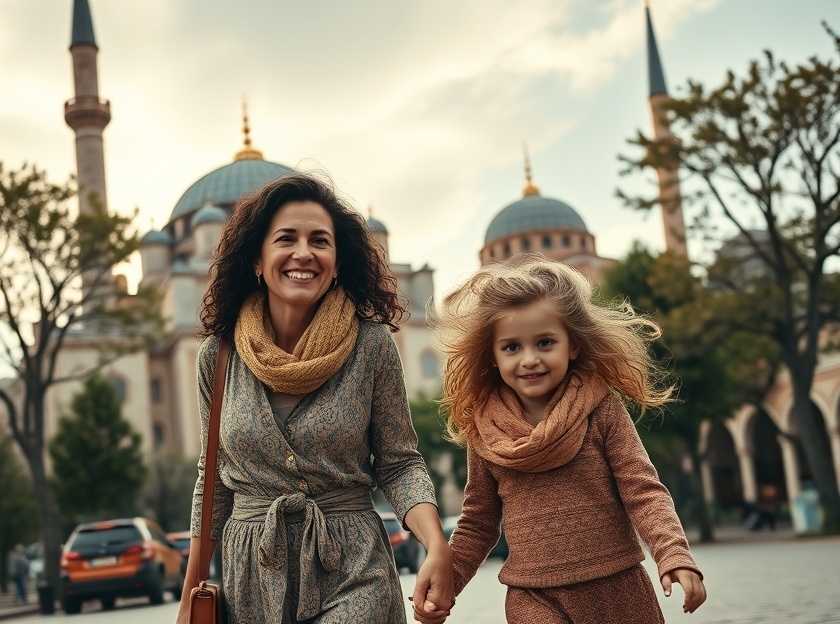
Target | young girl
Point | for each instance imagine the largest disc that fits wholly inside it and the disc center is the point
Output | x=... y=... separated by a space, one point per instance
x=534 y=385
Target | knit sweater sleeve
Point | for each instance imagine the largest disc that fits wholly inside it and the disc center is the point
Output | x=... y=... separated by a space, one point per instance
x=646 y=499
x=478 y=527
x=399 y=468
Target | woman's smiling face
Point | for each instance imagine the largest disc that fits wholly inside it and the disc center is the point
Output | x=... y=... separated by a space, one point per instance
x=532 y=350
x=298 y=256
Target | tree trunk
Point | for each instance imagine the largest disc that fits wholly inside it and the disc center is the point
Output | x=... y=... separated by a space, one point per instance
x=703 y=515
x=818 y=454
x=50 y=520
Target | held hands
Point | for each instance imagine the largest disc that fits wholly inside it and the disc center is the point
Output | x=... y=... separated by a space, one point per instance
x=434 y=588
x=693 y=588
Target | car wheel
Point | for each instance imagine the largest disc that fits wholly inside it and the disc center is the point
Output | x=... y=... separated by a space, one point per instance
x=71 y=606
x=176 y=591
x=156 y=590
x=108 y=603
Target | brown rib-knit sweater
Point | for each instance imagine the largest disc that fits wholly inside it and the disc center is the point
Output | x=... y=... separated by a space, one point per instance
x=573 y=523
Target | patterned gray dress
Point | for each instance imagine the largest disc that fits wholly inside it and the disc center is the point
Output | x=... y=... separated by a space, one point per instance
x=284 y=560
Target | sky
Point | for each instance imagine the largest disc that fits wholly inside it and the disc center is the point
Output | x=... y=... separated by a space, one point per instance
x=417 y=109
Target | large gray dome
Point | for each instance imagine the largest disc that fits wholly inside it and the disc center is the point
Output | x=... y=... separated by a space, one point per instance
x=225 y=185
x=533 y=212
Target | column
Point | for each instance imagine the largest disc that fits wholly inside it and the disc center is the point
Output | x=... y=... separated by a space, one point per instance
x=708 y=481
x=791 y=465
x=745 y=461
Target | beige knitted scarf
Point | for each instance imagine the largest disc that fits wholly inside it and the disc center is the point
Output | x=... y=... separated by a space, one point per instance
x=320 y=352
x=503 y=436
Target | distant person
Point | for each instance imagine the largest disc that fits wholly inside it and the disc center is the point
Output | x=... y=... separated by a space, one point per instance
x=535 y=384
x=19 y=567
x=314 y=417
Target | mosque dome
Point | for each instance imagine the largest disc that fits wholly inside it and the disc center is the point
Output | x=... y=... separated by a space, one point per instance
x=225 y=185
x=533 y=212
x=209 y=213
x=156 y=237
x=376 y=226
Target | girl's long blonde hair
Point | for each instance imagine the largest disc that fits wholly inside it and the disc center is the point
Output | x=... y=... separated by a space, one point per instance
x=612 y=340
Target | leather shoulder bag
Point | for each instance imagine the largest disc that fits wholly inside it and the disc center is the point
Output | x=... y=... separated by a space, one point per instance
x=207 y=603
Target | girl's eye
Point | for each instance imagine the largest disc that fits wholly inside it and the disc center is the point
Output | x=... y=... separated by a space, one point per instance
x=511 y=347
x=545 y=342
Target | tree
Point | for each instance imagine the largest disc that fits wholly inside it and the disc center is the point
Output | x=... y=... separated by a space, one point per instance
x=760 y=157
x=714 y=372
x=98 y=466
x=48 y=253
x=18 y=513
x=432 y=442
x=168 y=491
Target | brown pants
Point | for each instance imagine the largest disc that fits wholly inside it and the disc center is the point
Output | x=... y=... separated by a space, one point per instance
x=627 y=597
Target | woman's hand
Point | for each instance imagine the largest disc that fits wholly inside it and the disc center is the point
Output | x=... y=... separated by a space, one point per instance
x=434 y=588
x=692 y=584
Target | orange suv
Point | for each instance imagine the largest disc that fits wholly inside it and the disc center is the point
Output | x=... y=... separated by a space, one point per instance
x=129 y=557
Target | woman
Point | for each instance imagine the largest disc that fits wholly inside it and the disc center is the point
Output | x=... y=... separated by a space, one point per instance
x=314 y=417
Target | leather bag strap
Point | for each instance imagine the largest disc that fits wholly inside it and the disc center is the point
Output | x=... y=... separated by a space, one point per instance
x=211 y=459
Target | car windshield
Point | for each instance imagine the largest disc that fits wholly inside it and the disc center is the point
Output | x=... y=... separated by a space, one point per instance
x=392 y=525
x=106 y=536
x=181 y=543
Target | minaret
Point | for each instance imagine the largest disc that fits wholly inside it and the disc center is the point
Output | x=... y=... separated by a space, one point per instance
x=669 y=183
x=86 y=113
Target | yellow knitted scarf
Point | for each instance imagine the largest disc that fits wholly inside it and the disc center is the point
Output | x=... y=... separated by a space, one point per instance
x=318 y=355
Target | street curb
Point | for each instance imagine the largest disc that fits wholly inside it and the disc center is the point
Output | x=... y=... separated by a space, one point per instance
x=10 y=615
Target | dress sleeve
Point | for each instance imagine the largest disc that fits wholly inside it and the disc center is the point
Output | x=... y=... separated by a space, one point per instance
x=478 y=527
x=398 y=467
x=646 y=499
x=223 y=496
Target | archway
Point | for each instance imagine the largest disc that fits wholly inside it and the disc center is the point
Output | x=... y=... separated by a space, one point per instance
x=805 y=472
x=723 y=462
x=767 y=458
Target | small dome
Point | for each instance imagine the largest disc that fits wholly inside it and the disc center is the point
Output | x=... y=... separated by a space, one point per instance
x=376 y=226
x=533 y=212
x=209 y=214
x=225 y=185
x=156 y=237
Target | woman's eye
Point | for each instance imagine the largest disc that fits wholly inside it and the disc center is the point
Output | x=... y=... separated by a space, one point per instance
x=321 y=241
x=283 y=239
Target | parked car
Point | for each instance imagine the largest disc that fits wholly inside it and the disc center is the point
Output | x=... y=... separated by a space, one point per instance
x=182 y=540
x=408 y=552
x=500 y=550
x=115 y=558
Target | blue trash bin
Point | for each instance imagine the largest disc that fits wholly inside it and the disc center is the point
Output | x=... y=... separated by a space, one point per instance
x=807 y=512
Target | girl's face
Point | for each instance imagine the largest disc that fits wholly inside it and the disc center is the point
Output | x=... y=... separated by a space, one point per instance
x=532 y=350
x=298 y=256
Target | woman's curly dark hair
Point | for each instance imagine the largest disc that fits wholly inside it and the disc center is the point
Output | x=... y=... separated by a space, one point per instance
x=363 y=272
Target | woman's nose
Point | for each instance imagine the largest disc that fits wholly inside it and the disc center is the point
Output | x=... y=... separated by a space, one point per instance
x=302 y=251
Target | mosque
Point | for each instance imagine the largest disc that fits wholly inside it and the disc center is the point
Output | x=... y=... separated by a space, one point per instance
x=752 y=448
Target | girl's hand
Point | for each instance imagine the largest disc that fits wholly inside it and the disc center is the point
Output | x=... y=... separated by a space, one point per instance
x=434 y=587
x=693 y=588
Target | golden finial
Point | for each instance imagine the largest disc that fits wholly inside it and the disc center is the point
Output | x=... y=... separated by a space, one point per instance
x=530 y=188
x=247 y=152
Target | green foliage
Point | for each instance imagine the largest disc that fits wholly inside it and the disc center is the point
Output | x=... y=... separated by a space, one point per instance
x=97 y=462
x=18 y=509
x=168 y=491
x=432 y=442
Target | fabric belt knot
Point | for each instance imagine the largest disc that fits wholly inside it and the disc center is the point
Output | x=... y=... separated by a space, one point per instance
x=317 y=544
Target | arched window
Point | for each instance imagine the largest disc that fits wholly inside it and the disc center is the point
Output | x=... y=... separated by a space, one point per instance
x=155 y=390
x=546 y=242
x=507 y=250
x=429 y=365
x=567 y=242
x=119 y=386
x=525 y=244
x=583 y=242
x=158 y=435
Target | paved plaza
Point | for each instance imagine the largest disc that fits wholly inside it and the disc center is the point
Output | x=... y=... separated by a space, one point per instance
x=775 y=582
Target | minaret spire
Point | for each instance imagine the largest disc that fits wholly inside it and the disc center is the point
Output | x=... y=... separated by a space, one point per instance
x=669 y=181
x=656 y=76
x=247 y=152
x=530 y=188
